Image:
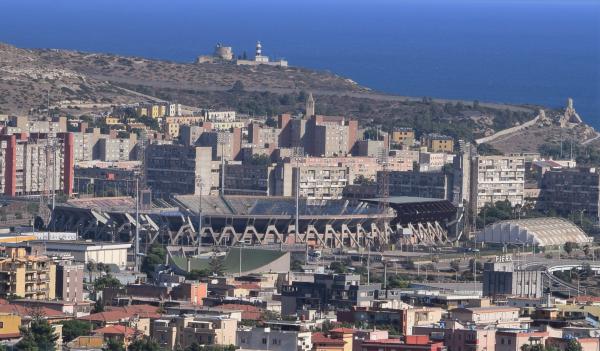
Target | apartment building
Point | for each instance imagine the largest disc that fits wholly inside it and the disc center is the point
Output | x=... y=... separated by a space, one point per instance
x=218 y=116
x=328 y=292
x=331 y=139
x=457 y=337
x=403 y=136
x=273 y=338
x=316 y=182
x=263 y=136
x=328 y=136
x=69 y=281
x=497 y=178
x=370 y=148
x=173 y=124
x=183 y=331
x=437 y=185
x=30 y=277
x=434 y=161
x=178 y=169
x=36 y=163
x=24 y=124
x=223 y=144
x=571 y=191
x=501 y=316
x=437 y=142
x=85 y=145
x=248 y=179
x=117 y=149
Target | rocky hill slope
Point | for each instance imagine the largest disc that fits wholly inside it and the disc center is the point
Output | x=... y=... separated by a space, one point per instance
x=78 y=82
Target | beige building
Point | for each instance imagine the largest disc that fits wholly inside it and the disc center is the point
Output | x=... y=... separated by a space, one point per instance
x=316 y=182
x=88 y=251
x=183 y=331
x=500 y=316
x=30 y=277
x=437 y=143
x=173 y=123
x=404 y=136
x=331 y=139
x=177 y=169
x=218 y=116
x=497 y=178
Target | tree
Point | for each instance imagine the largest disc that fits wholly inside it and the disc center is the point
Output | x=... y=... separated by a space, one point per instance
x=114 y=345
x=338 y=267
x=573 y=345
x=144 y=344
x=40 y=336
x=216 y=265
x=296 y=266
x=155 y=256
x=74 y=328
x=569 y=246
x=271 y=122
x=455 y=265
x=107 y=281
x=260 y=160
x=361 y=179
x=98 y=306
x=196 y=274
x=237 y=87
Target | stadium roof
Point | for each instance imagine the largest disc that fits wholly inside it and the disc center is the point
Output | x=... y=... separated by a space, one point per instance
x=405 y=200
x=274 y=205
x=544 y=231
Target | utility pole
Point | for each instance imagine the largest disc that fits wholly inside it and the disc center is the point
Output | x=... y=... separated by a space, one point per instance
x=199 y=182
x=298 y=154
x=137 y=224
x=221 y=141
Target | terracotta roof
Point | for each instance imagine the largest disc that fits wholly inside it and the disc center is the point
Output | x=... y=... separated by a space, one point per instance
x=10 y=336
x=249 y=312
x=248 y=286
x=584 y=299
x=383 y=341
x=320 y=338
x=342 y=330
x=116 y=329
x=27 y=311
x=115 y=314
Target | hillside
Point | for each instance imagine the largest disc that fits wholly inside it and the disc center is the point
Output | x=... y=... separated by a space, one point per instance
x=79 y=83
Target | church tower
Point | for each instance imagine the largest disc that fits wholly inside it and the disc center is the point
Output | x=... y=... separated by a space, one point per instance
x=310 y=106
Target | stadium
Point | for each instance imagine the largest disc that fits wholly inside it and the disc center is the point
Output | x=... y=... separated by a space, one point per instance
x=229 y=221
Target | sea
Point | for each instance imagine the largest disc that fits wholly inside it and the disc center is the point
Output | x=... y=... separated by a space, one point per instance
x=513 y=51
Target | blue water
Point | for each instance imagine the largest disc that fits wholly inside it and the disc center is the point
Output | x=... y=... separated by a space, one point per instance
x=492 y=50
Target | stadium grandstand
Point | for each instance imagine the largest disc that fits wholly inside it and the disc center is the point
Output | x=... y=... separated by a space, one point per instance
x=229 y=221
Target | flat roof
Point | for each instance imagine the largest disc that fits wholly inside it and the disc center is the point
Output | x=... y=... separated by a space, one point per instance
x=404 y=199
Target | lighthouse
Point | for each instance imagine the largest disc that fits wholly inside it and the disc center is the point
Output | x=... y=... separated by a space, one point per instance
x=259 y=57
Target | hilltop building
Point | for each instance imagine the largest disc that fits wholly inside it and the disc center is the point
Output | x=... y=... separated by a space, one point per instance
x=260 y=59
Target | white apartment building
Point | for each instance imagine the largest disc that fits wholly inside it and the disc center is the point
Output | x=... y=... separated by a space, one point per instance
x=497 y=178
x=218 y=116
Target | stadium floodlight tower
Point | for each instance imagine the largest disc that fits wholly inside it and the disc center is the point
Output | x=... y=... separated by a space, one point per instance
x=298 y=157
